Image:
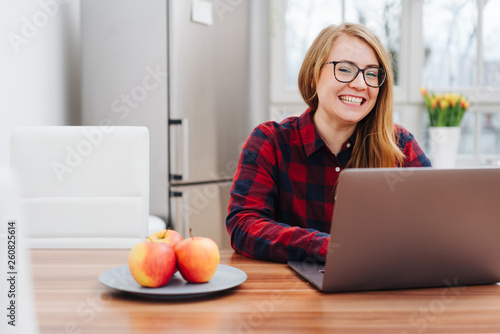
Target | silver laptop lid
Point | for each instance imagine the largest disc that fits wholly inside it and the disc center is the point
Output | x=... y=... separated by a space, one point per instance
x=414 y=227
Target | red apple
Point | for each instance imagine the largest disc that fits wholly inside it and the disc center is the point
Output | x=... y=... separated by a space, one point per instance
x=197 y=258
x=169 y=236
x=152 y=264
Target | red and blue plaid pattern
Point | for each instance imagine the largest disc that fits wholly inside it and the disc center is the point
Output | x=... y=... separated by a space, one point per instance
x=282 y=195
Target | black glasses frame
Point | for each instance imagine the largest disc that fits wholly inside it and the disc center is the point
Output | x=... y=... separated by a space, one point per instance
x=381 y=73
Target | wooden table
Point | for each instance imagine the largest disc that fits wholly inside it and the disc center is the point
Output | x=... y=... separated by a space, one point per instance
x=70 y=299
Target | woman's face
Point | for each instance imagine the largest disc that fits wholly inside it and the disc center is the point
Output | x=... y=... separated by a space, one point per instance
x=345 y=104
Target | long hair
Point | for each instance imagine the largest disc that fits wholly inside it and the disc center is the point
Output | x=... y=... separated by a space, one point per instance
x=376 y=139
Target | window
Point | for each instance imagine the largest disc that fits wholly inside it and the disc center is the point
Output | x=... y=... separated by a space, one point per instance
x=450 y=43
x=464 y=57
x=490 y=126
x=300 y=32
x=443 y=45
x=491 y=47
x=383 y=17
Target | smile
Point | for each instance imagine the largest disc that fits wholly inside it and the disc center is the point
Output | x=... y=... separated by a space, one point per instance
x=357 y=101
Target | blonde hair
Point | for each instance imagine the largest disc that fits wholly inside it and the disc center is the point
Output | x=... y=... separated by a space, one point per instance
x=376 y=139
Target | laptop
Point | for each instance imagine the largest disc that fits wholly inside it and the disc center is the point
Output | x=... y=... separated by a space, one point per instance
x=401 y=228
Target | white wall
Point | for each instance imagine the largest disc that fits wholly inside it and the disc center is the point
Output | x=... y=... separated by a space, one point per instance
x=39 y=57
x=124 y=76
x=40 y=83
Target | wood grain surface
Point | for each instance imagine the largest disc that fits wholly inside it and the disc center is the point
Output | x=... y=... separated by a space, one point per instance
x=70 y=299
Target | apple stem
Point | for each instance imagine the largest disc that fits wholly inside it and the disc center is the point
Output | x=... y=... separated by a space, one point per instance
x=191 y=233
x=164 y=234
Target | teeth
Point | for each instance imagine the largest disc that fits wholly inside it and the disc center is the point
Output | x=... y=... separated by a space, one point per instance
x=352 y=100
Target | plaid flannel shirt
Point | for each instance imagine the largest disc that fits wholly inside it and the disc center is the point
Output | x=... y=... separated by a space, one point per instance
x=282 y=203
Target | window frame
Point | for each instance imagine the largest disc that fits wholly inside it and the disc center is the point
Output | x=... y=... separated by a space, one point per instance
x=409 y=105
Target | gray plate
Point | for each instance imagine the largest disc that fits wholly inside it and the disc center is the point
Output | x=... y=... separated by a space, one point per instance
x=226 y=277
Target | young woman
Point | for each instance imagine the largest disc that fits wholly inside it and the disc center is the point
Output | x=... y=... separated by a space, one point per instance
x=282 y=199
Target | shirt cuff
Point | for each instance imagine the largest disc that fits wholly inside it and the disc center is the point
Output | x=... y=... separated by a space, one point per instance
x=324 y=248
x=318 y=247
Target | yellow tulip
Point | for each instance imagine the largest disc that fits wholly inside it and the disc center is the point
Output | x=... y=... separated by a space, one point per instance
x=453 y=100
x=444 y=104
x=464 y=103
x=434 y=103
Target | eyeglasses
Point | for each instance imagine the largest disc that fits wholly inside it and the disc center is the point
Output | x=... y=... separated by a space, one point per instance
x=345 y=72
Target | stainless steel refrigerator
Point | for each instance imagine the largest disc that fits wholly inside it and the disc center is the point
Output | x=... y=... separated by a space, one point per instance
x=179 y=67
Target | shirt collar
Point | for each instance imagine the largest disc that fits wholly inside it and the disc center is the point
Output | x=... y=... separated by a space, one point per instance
x=311 y=138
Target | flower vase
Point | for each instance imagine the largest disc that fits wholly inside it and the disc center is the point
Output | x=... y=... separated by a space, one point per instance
x=444 y=146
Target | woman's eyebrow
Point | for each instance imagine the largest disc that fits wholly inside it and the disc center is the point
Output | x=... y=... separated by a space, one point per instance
x=353 y=62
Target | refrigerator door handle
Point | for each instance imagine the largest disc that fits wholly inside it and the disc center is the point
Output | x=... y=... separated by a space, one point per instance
x=179 y=148
x=179 y=215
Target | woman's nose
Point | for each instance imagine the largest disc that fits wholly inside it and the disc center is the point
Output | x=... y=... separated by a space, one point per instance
x=359 y=82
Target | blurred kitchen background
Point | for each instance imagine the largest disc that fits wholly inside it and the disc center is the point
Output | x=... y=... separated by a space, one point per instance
x=200 y=74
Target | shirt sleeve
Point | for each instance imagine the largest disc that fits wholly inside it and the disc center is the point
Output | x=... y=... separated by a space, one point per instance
x=251 y=213
x=415 y=156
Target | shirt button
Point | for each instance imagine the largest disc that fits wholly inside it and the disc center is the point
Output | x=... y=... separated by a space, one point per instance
x=337 y=169
x=348 y=145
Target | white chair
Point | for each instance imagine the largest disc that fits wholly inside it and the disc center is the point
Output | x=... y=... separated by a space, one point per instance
x=83 y=186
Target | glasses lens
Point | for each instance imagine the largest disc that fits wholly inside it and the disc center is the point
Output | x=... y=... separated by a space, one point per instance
x=374 y=76
x=345 y=72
